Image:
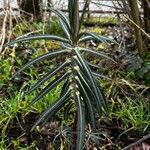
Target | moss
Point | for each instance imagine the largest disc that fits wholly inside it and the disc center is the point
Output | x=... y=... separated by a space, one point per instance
x=102 y=21
x=97 y=30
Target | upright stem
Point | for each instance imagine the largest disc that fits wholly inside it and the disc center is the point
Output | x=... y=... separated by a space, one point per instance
x=73 y=8
x=74 y=85
x=135 y=16
x=76 y=20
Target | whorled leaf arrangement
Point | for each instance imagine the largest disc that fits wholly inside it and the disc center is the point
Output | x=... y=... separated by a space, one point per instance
x=80 y=85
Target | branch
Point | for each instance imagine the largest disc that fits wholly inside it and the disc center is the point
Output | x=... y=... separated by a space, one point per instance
x=148 y=36
x=137 y=142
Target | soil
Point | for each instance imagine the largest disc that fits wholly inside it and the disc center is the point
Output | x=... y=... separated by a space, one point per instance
x=19 y=128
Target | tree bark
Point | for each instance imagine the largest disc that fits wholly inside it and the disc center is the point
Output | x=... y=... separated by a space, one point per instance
x=146 y=9
x=146 y=15
x=135 y=16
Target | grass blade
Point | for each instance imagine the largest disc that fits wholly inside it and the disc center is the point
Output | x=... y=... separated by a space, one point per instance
x=48 y=88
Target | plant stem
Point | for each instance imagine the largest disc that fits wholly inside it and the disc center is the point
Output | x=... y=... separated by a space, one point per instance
x=135 y=16
x=74 y=86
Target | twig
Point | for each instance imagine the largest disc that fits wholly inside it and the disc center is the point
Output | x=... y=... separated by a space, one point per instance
x=137 y=142
x=148 y=36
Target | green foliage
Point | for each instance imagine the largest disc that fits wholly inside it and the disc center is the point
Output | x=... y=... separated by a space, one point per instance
x=133 y=113
x=53 y=27
x=102 y=21
x=137 y=68
x=5 y=68
x=79 y=83
x=49 y=27
x=97 y=30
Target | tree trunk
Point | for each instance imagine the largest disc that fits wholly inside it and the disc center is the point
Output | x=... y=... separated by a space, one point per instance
x=146 y=9
x=146 y=15
x=135 y=17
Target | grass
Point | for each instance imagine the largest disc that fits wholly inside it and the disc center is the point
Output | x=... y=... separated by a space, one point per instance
x=16 y=104
x=133 y=113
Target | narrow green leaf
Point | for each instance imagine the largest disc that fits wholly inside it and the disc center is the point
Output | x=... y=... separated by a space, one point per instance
x=88 y=88
x=62 y=16
x=87 y=71
x=39 y=37
x=47 y=76
x=89 y=106
x=65 y=87
x=66 y=46
x=67 y=110
x=80 y=124
x=107 y=39
x=48 y=88
x=40 y=58
x=86 y=36
x=65 y=29
x=97 y=53
x=90 y=76
x=100 y=75
x=102 y=97
x=52 y=110
x=94 y=66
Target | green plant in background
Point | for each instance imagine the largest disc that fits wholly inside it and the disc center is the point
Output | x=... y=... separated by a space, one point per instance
x=102 y=21
x=134 y=113
x=5 y=68
x=80 y=86
x=50 y=27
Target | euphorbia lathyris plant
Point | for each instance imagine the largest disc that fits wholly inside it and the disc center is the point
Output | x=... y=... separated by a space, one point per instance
x=80 y=85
